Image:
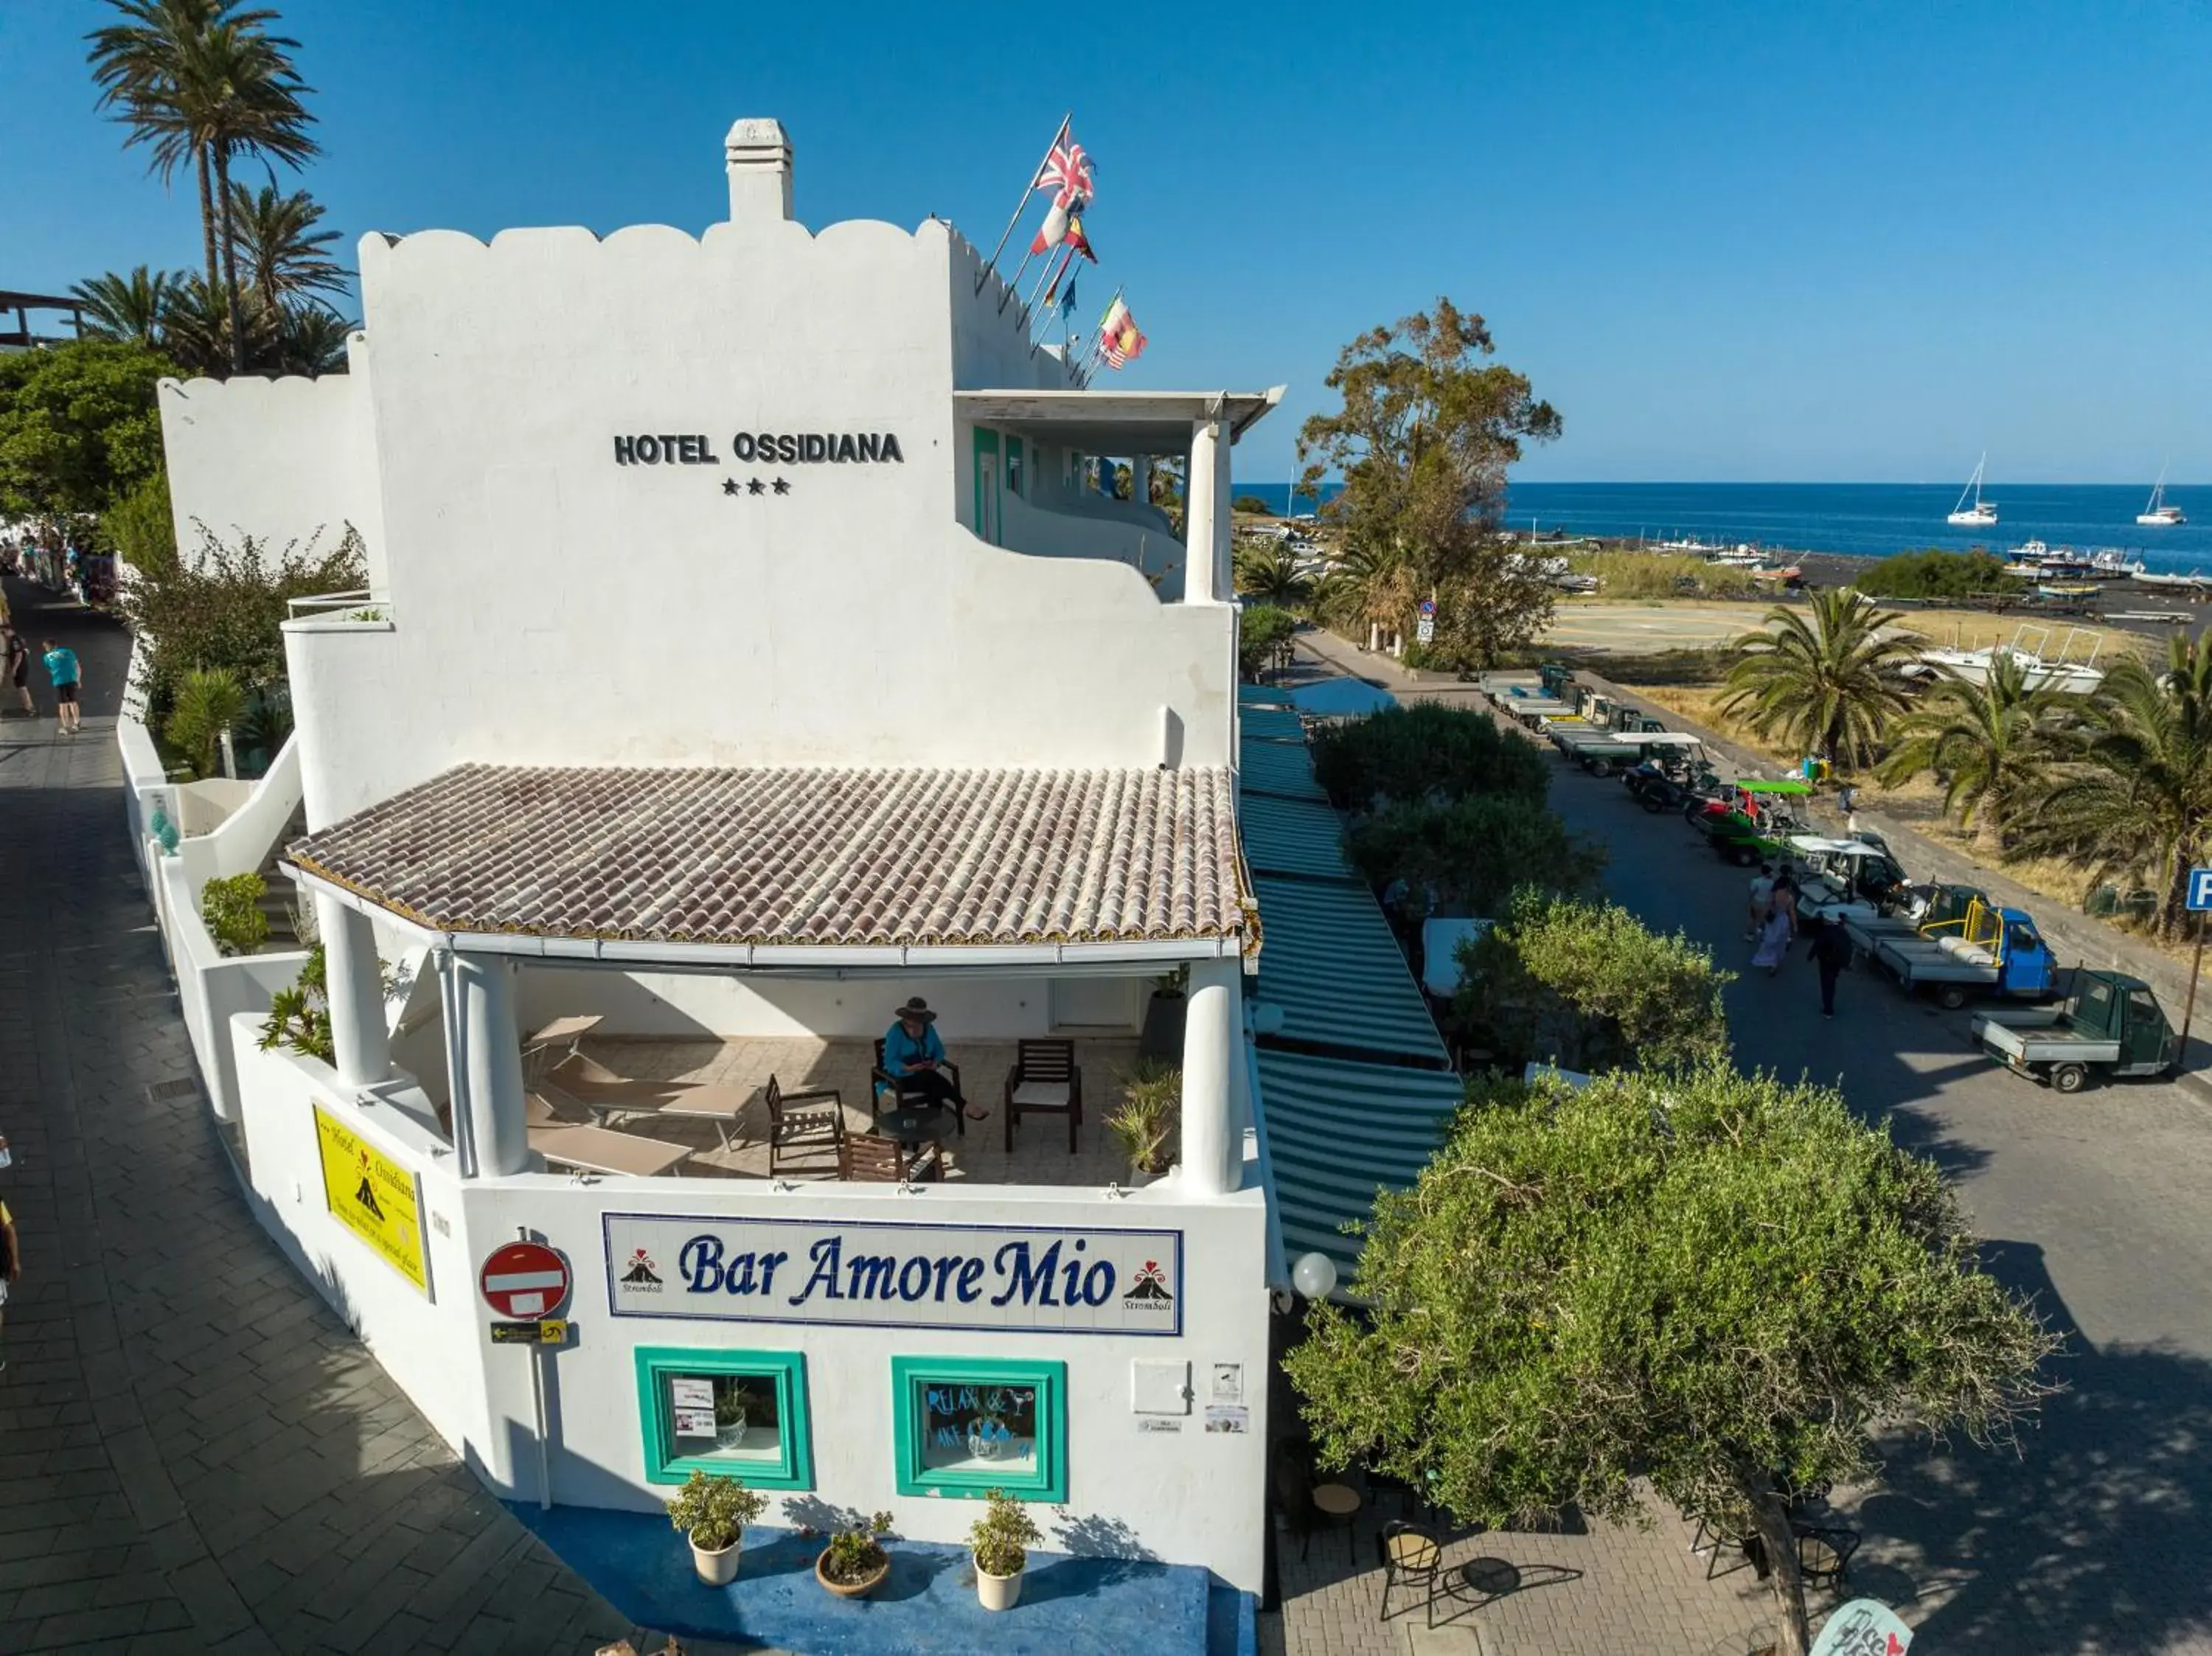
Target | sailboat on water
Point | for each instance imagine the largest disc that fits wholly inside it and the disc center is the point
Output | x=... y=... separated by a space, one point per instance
x=2157 y=514
x=1982 y=514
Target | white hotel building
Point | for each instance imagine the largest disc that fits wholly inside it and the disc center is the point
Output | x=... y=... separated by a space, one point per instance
x=741 y=655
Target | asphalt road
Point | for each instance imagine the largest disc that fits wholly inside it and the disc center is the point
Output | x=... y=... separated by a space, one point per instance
x=101 y=643
x=2095 y=1537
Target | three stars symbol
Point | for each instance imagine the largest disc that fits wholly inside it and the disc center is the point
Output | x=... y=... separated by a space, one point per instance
x=753 y=486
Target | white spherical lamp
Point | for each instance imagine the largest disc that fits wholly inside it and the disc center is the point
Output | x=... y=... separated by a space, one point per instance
x=1314 y=1276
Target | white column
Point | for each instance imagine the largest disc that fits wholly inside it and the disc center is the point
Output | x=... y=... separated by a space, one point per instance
x=758 y=157
x=492 y=1047
x=355 y=987
x=1210 y=1022
x=1224 y=520
x=1140 y=479
x=1200 y=506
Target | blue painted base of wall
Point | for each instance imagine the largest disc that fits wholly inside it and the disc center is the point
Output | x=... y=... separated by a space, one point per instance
x=926 y=1607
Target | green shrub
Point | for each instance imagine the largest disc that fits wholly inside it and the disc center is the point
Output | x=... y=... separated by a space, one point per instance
x=1587 y=986
x=714 y=1510
x=207 y=702
x=299 y=1017
x=1002 y=1536
x=1425 y=751
x=1253 y=504
x=1262 y=630
x=1662 y=575
x=1467 y=856
x=1146 y=1120
x=232 y=910
x=1937 y=574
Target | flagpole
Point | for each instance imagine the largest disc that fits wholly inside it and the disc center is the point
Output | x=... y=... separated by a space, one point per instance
x=1067 y=258
x=1098 y=345
x=1035 y=178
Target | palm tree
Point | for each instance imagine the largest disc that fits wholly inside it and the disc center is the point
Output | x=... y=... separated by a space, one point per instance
x=134 y=308
x=1824 y=683
x=2137 y=794
x=1370 y=587
x=285 y=256
x=309 y=340
x=200 y=79
x=1270 y=573
x=1994 y=741
x=196 y=327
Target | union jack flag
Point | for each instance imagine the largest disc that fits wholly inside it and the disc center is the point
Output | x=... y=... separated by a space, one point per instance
x=1066 y=170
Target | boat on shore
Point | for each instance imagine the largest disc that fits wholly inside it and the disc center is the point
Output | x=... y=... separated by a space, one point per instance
x=2038 y=672
x=2157 y=514
x=1983 y=513
x=2195 y=580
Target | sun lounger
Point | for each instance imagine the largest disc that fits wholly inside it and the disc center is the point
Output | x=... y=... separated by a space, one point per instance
x=599 y=1092
x=598 y=1149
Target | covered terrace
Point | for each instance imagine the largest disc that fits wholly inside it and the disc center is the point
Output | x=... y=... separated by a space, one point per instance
x=636 y=953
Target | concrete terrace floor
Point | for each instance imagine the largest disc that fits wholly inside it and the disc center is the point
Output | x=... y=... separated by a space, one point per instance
x=195 y=1454
x=2091 y=1536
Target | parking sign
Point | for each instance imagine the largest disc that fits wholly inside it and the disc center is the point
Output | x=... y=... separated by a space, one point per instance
x=2200 y=887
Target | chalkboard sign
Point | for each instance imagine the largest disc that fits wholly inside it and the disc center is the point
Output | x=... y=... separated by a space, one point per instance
x=980 y=1425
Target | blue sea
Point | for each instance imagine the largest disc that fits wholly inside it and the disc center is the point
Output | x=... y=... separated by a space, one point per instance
x=1862 y=519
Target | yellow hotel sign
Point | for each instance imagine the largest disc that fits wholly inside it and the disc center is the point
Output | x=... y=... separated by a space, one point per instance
x=372 y=1196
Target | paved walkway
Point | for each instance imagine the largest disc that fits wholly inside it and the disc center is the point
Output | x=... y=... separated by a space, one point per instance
x=195 y=1454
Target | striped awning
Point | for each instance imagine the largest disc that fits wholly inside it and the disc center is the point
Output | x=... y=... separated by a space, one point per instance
x=1262 y=695
x=1285 y=768
x=1336 y=1132
x=1301 y=837
x=1331 y=964
x=1272 y=725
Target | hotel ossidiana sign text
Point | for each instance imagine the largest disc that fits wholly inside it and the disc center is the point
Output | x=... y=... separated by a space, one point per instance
x=872 y=1273
x=372 y=1196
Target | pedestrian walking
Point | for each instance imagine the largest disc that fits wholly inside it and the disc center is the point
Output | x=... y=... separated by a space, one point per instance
x=1781 y=926
x=61 y=668
x=17 y=669
x=1762 y=896
x=1832 y=953
x=1847 y=797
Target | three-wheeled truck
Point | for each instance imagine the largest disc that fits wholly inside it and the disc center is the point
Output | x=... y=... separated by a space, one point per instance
x=1986 y=951
x=1752 y=822
x=2112 y=1024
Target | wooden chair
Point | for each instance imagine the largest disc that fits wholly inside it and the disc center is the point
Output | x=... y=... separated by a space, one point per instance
x=882 y=1081
x=817 y=1125
x=1045 y=1080
x=872 y=1159
x=1413 y=1554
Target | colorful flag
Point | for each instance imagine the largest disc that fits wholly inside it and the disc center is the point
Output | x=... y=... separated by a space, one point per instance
x=1066 y=170
x=1068 y=299
x=1119 y=342
x=1074 y=236
x=1052 y=232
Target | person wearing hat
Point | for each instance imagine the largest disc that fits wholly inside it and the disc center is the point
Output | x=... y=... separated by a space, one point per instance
x=914 y=1056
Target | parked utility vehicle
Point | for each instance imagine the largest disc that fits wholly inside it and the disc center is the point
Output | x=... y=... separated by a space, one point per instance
x=2113 y=1023
x=1987 y=951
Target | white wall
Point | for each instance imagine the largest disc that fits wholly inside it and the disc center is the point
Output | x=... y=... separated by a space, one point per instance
x=213 y=988
x=1189 y=1497
x=241 y=841
x=550 y=605
x=278 y=459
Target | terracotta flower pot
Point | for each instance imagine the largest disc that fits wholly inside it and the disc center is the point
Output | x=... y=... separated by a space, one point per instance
x=859 y=1589
x=717 y=1569
x=997 y=1591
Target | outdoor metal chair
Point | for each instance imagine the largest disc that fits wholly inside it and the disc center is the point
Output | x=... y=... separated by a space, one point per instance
x=1044 y=1081
x=881 y=1080
x=872 y=1159
x=1412 y=1555
x=815 y=1126
x=1824 y=1554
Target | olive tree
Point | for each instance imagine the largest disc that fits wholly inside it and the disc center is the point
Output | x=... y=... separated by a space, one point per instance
x=1718 y=1283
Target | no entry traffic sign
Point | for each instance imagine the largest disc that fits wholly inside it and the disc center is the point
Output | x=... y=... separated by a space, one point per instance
x=524 y=1279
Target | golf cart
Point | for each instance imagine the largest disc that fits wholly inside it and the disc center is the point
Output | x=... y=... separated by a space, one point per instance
x=2113 y=1023
x=1841 y=876
x=1752 y=821
x=1603 y=752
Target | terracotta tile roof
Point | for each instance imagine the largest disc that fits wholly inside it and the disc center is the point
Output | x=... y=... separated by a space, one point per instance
x=798 y=856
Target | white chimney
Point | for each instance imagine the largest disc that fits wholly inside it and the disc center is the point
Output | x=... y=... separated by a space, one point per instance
x=759 y=157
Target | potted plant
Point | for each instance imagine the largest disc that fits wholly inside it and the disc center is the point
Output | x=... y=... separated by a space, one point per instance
x=855 y=1562
x=1161 y=1040
x=1001 y=1539
x=714 y=1511
x=1146 y=1121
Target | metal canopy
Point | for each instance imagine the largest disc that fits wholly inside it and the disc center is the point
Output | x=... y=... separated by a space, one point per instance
x=1114 y=422
x=1331 y=964
x=1337 y=1132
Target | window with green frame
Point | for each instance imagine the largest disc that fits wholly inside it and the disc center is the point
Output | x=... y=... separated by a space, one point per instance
x=969 y=1424
x=743 y=1413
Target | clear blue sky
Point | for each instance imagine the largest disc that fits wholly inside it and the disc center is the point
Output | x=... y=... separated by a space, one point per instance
x=1729 y=241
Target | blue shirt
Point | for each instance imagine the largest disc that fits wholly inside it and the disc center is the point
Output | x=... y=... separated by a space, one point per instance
x=61 y=666
x=900 y=1050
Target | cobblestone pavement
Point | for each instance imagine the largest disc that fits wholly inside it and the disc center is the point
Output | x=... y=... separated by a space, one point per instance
x=2090 y=1536
x=195 y=1452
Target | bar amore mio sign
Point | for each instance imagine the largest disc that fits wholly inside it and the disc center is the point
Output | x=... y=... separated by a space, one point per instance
x=1035 y=1278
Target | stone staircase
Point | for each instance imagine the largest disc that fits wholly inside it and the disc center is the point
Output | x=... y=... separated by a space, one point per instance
x=281 y=895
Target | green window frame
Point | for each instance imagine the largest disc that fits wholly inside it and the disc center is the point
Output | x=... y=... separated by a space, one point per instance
x=912 y=1377
x=792 y=1469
